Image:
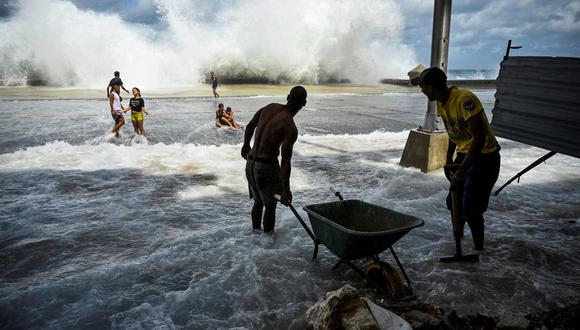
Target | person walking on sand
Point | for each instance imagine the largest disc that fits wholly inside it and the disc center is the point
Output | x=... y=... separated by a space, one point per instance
x=478 y=158
x=275 y=133
x=137 y=106
x=214 y=84
x=116 y=80
x=117 y=109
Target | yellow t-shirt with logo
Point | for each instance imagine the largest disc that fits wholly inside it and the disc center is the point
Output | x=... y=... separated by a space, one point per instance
x=461 y=106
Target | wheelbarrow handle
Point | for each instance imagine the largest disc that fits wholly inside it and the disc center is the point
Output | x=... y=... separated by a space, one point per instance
x=278 y=197
x=336 y=193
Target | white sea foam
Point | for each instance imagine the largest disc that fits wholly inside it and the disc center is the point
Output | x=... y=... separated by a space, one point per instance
x=286 y=41
x=177 y=250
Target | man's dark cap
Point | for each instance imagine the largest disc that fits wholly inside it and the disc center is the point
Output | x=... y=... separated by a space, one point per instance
x=430 y=76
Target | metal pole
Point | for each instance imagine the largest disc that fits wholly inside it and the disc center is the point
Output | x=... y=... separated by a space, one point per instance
x=439 y=54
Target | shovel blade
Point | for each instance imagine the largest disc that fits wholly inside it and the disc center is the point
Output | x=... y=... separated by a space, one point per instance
x=461 y=258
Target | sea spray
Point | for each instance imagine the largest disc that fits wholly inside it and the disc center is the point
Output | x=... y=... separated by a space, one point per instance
x=54 y=42
x=98 y=235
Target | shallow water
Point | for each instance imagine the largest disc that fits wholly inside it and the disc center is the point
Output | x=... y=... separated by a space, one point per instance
x=97 y=232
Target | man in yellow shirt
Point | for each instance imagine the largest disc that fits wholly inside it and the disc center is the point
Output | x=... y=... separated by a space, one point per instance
x=477 y=148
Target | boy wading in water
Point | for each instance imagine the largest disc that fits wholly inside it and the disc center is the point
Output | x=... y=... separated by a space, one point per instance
x=275 y=131
x=117 y=109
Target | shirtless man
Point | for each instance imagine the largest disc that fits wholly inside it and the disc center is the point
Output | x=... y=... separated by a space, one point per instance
x=275 y=131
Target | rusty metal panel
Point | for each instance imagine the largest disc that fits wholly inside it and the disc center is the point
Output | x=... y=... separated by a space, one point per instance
x=537 y=102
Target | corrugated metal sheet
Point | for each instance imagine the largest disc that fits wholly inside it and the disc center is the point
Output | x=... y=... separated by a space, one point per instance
x=538 y=103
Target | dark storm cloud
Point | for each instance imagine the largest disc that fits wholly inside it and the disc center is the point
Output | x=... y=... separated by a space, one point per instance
x=6 y=9
x=134 y=11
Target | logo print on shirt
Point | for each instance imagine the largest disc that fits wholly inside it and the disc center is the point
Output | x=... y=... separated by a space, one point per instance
x=468 y=105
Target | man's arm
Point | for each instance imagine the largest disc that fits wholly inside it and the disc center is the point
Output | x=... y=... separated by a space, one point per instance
x=123 y=87
x=475 y=127
x=249 y=133
x=290 y=137
x=108 y=90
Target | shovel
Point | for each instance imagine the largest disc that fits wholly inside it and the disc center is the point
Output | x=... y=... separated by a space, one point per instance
x=457 y=223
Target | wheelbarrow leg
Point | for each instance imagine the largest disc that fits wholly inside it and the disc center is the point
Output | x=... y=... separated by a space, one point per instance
x=401 y=268
x=315 y=254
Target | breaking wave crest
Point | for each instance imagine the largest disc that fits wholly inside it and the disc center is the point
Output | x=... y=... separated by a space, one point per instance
x=53 y=42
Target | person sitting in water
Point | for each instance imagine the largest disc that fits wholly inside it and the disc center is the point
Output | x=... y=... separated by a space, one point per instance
x=117 y=109
x=137 y=107
x=220 y=117
x=230 y=117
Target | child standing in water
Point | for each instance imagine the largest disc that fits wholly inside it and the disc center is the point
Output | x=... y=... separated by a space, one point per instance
x=214 y=84
x=137 y=106
x=117 y=109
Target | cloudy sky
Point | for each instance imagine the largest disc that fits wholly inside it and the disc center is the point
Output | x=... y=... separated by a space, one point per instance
x=479 y=28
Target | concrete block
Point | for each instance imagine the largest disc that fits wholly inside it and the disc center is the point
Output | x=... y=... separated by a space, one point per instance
x=425 y=151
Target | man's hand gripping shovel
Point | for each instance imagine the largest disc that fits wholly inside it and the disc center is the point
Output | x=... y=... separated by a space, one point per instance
x=458 y=223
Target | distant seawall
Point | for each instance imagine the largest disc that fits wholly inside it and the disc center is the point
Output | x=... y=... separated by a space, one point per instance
x=487 y=83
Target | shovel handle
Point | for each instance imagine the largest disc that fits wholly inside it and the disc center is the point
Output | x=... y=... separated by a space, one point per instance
x=458 y=223
x=278 y=197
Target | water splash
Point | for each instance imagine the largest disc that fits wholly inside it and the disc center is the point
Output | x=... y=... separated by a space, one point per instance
x=298 y=41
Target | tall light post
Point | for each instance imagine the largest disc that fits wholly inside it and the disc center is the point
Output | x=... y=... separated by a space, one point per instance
x=427 y=146
x=439 y=55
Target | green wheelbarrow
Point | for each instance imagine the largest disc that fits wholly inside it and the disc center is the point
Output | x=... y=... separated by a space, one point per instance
x=354 y=229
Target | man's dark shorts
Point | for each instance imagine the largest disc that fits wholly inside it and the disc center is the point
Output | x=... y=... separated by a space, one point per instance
x=263 y=181
x=478 y=184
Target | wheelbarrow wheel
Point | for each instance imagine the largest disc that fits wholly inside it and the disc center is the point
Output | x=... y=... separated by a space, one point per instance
x=386 y=278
